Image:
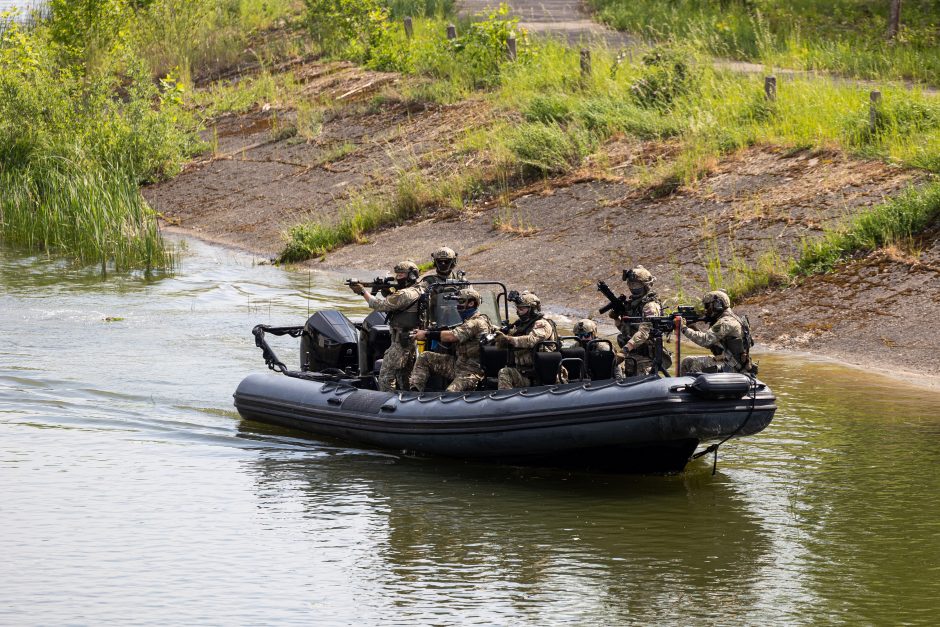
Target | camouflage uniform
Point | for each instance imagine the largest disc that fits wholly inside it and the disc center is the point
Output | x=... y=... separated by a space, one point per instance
x=639 y=334
x=464 y=370
x=529 y=334
x=643 y=304
x=403 y=317
x=725 y=337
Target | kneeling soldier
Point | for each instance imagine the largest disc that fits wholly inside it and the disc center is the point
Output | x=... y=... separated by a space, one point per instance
x=403 y=308
x=729 y=339
x=531 y=328
x=463 y=370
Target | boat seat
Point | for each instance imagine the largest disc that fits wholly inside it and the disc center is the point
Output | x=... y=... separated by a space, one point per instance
x=600 y=362
x=574 y=360
x=492 y=360
x=547 y=359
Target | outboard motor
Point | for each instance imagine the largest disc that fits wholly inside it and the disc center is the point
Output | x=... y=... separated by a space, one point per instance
x=375 y=338
x=329 y=341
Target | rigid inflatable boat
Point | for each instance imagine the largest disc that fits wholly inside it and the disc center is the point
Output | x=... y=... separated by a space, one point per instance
x=646 y=424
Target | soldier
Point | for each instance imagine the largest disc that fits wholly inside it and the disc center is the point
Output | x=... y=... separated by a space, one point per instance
x=404 y=315
x=445 y=260
x=634 y=336
x=729 y=339
x=464 y=369
x=531 y=328
x=585 y=330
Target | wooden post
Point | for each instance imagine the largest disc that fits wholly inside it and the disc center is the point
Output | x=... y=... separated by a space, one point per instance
x=409 y=28
x=585 y=64
x=770 y=88
x=875 y=98
x=451 y=31
x=511 y=47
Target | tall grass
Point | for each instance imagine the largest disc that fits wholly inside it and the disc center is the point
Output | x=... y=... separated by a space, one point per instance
x=672 y=91
x=897 y=222
x=843 y=36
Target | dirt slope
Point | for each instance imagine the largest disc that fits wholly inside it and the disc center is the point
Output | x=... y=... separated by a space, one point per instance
x=558 y=237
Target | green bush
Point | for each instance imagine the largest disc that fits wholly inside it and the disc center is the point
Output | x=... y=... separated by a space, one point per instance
x=549 y=108
x=667 y=75
x=549 y=148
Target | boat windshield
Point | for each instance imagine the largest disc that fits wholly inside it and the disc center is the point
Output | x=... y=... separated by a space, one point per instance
x=443 y=311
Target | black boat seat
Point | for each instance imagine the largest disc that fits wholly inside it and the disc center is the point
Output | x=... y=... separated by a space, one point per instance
x=600 y=363
x=574 y=360
x=547 y=362
x=492 y=360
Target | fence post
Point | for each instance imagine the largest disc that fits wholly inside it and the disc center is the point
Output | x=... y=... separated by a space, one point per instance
x=875 y=97
x=409 y=28
x=511 y=47
x=770 y=88
x=451 y=31
x=585 y=64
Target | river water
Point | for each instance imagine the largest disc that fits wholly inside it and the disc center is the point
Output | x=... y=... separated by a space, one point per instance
x=132 y=493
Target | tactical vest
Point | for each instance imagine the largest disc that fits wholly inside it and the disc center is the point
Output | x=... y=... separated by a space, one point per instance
x=409 y=318
x=518 y=331
x=635 y=310
x=740 y=347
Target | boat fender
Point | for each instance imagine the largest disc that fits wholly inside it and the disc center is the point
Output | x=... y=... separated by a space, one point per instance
x=721 y=385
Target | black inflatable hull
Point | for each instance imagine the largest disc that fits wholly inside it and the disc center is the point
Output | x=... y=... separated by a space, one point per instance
x=649 y=425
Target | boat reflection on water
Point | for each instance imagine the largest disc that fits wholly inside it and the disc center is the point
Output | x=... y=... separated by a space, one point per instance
x=502 y=543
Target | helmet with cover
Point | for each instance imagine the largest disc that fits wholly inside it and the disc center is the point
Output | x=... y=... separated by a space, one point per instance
x=585 y=328
x=445 y=260
x=527 y=305
x=716 y=303
x=639 y=280
x=410 y=271
x=468 y=298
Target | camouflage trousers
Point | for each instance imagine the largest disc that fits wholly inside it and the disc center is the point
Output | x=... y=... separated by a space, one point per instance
x=396 y=367
x=462 y=377
x=706 y=363
x=512 y=378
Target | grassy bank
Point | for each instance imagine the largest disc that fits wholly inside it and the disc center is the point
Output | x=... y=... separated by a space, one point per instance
x=93 y=106
x=843 y=36
x=549 y=118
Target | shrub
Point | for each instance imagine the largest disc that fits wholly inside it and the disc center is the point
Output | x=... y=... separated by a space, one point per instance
x=548 y=148
x=666 y=76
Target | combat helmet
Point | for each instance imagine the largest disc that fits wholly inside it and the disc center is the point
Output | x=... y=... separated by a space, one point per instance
x=716 y=302
x=585 y=327
x=530 y=300
x=639 y=274
x=465 y=295
x=445 y=259
x=408 y=268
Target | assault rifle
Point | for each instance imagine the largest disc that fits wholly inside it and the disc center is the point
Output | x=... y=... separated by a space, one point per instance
x=617 y=303
x=386 y=285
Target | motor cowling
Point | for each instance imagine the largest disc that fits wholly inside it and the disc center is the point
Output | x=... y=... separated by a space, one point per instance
x=329 y=340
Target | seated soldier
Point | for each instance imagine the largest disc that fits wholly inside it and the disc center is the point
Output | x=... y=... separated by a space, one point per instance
x=529 y=329
x=463 y=369
x=586 y=331
x=403 y=309
x=729 y=339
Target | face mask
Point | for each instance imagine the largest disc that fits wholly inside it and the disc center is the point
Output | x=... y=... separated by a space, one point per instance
x=637 y=291
x=466 y=313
